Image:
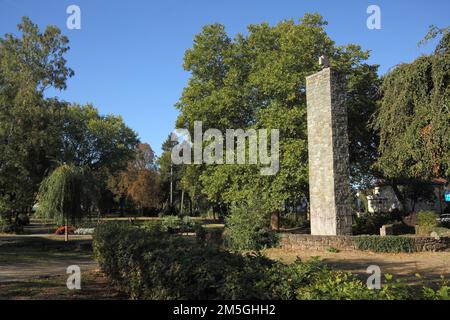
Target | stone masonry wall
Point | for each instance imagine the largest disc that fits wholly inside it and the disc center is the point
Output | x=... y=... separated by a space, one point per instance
x=346 y=243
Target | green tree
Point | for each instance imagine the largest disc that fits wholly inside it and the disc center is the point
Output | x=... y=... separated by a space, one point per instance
x=413 y=118
x=66 y=195
x=258 y=81
x=37 y=133
x=29 y=64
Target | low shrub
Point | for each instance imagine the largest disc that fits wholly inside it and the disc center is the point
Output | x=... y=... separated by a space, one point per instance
x=428 y=231
x=339 y=285
x=174 y=224
x=248 y=228
x=370 y=223
x=400 y=228
x=293 y=220
x=427 y=219
x=8 y=227
x=209 y=236
x=171 y=224
x=392 y=244
x=152 y=225
x=163 y=266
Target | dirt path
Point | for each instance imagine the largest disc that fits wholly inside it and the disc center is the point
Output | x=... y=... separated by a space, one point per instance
x=430 y=265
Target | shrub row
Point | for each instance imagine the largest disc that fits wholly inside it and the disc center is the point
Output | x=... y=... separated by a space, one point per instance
x=394 y=244
x=148 y=264
x=173 y=224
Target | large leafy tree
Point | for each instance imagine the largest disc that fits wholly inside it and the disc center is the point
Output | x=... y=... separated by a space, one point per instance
x=413 y=119
x=39 y=134
x=29 y=64
x=66 y=195
x=258 y=81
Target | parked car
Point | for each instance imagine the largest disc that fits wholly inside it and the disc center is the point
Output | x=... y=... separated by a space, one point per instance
x=444 y=220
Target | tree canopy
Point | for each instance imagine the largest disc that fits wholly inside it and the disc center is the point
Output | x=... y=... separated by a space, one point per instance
x=413 y=118
x=39 y=134
x=257 y=81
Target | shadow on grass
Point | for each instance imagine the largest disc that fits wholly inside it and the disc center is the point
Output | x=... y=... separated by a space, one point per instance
x=25 y=249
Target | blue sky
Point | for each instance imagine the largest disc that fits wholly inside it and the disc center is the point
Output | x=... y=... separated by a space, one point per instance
x=128 y=55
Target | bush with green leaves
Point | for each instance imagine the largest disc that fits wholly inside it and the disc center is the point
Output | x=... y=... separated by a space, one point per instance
x=164 y=266
x=338 y=285
x=370 y=223
x=149 y=265
x=248 y=228
x=427 y=219
x=392 y=244
x=292 y=220
x=174 y=224
x=153 y=225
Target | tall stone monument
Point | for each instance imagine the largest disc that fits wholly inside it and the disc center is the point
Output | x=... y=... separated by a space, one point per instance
x=329 y=183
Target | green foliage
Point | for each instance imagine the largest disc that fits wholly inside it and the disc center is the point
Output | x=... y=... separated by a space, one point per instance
x=248 y=227
x=427 y=219
x=428 y=231
x=23 y=219
x=332 y=250
x=442 y=292
x=172 y=224
x=394 y=244
x=152 y=225
x=413 y=119
x=293 y=220
x=371 y=223
x=161 y=266
x=65 y=195
x=7 y=226
x=37 y=133
x=257 y=80
x=171 y=267
x=29 y=63
x=338 y=285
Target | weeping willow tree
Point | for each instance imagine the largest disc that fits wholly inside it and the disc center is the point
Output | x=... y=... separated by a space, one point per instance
x=413 y=118
x=65 y=196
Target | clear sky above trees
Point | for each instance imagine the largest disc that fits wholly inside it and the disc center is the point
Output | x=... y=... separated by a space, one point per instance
x=128 y=55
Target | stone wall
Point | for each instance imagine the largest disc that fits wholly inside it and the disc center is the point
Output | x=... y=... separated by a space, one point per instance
x=424 y=244
x=346 y=243
x=312 y=242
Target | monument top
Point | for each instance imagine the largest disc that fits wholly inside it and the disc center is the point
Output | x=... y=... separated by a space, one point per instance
x=324 y=62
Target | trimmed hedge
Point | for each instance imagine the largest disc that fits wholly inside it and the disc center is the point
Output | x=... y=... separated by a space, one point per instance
x=154 y=265
x=427 y=219
x=393 y=244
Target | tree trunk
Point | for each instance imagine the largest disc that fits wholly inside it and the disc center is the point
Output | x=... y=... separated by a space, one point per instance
x=182 y=202
x=66 y=232
x=398 y=194
x=275 y=221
